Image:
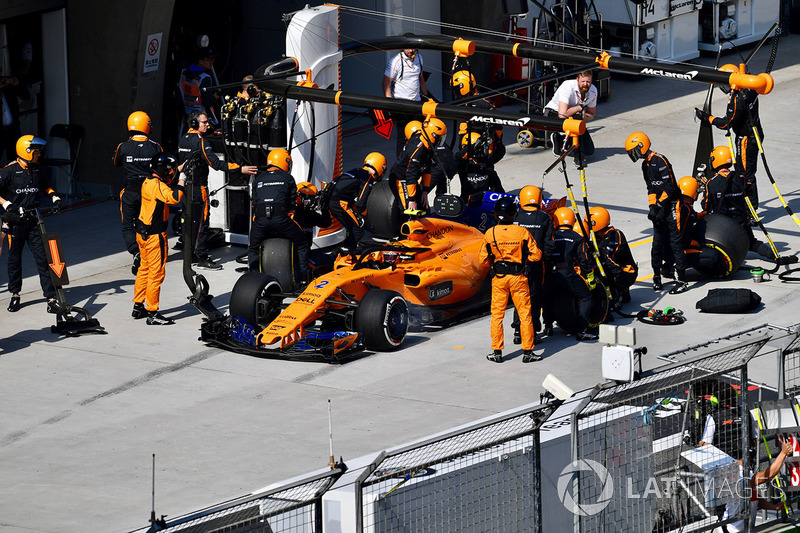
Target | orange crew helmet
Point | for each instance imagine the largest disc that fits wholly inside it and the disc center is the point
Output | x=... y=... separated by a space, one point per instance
x=600 y=218
x=720 y=156
x=434 y=131
x=307 y=188
x=464 y=82
x=688 y=187
x=279 y=158
x=581 y=227
x=30 y=148
x=305 y=193
x=139 y=121
x=530 y=197
x=412 y=127
x=637 y=144
x=564 y=217
x=377 y=162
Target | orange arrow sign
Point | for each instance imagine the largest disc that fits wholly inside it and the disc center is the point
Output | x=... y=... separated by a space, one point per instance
x=57 y=265
x=384 y=125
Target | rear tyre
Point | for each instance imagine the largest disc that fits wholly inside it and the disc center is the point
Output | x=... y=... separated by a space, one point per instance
x=382 y=320
x=277 y=260
x=253 y=300
x=726 y=238
x=384 y=216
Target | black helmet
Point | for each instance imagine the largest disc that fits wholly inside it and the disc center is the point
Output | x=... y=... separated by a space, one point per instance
x=505 y=209
x=164 y=165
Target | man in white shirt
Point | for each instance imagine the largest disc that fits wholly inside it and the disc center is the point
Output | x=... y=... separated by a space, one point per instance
x=403 y=79
x=751 y=493
x=577 y=99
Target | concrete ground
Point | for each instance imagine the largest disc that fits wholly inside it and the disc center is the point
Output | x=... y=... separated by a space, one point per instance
x=80 y=418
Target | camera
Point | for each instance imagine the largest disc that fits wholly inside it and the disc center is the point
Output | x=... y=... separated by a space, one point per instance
x=252 y=91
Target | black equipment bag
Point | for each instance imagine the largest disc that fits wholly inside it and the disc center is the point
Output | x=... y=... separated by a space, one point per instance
x=729 y=301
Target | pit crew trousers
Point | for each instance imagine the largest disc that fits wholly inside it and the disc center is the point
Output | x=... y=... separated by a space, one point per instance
x=279 y=226
x=200 y=221
x=130 y=203
x=517 y=288
x=27 y=230
x=344 y=212
x=152 y=270
x=667 y=241
x=536 y=284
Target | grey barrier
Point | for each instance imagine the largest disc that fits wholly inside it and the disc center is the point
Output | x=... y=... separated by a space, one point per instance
x=486 y=477
x=294 y=507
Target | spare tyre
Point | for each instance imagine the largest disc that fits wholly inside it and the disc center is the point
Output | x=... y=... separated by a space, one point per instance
x=384 y=216
x=727 y=238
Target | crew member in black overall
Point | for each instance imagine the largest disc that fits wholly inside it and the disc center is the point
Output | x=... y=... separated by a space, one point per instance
x=407 y=172
x=615 y=254
x=22 y=184
x=349 y=194
x=134 y=157
x=463 y=83
x=571 y=261
x=540 y=226
x=476 y=166
x=663 y=198
x=725 y=193
x=273 y=195
x=741 y=115
x=191 y=143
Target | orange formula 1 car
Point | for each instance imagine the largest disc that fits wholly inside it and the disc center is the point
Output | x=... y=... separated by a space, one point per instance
x=363 y=303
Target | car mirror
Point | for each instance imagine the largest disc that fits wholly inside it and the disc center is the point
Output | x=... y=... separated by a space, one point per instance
x=448 y=205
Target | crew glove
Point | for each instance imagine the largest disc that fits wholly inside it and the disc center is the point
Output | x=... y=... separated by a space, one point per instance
x=702 y=115
x=591 y=281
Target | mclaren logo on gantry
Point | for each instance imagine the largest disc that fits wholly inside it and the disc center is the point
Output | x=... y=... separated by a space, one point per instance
x=519 y=123
x=666 y=74
x=565 y=484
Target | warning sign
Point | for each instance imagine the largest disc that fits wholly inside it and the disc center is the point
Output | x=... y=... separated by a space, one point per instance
x=152 y=52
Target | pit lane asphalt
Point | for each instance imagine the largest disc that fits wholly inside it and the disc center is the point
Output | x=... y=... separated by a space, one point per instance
x=81 y=417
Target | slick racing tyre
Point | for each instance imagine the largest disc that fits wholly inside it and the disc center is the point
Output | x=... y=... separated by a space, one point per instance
x=277 y=259
x=727 y=239
x=565 y=306
x=253 y=300
x=382 y=320
x=384 y=216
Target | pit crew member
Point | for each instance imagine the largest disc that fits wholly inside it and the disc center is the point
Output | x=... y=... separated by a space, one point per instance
x=509 y=249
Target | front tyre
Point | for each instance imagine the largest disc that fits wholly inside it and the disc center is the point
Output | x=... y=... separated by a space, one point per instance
x=253 y=300
x=382 y=320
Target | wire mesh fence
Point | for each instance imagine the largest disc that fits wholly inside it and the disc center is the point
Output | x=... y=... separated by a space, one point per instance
x=661 y=452
x=791 y=368
x=483 y=478
x=294 y=508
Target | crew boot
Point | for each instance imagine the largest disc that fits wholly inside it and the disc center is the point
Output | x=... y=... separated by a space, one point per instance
x=657 y=283
x=496 y=356
x=528 y=356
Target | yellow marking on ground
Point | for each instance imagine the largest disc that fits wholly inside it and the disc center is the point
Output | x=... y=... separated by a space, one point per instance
x=458 y=347
x=637 y=243
x=645 y=278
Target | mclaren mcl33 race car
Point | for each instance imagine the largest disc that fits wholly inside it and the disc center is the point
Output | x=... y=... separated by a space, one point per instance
x=366 y=302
